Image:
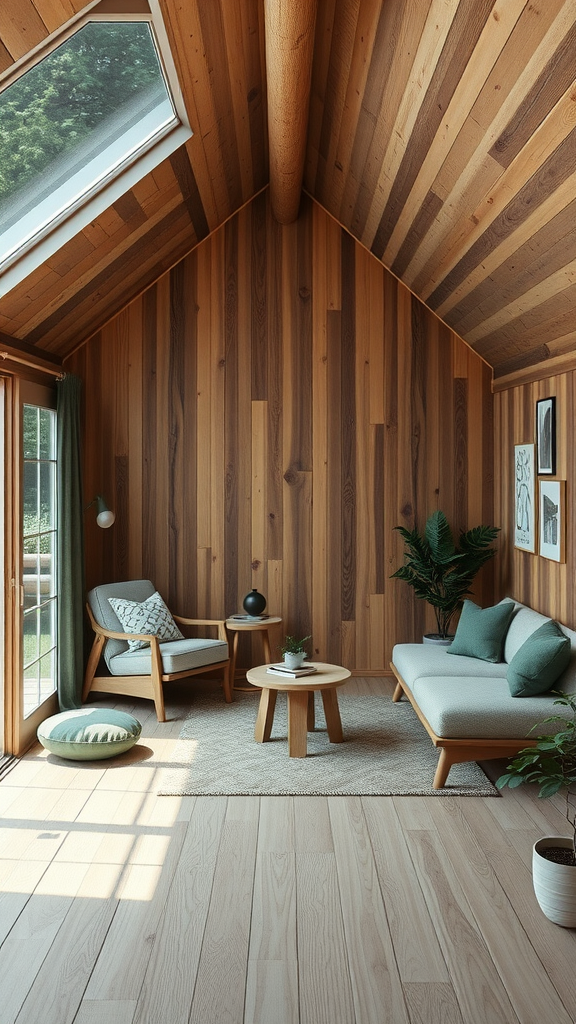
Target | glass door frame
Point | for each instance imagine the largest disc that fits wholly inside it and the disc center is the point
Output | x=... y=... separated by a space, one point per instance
x=20 y=732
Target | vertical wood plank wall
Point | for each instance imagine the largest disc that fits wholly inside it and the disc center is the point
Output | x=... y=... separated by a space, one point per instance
x=264 y=415
x=539 y=582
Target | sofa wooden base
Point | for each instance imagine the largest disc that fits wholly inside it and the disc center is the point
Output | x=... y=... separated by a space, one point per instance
x=457 y=751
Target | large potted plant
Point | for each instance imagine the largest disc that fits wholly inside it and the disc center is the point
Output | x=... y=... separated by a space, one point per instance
x=551 y=764
x=440 y=572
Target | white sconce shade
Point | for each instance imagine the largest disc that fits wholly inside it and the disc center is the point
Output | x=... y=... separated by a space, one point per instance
x=104 y=517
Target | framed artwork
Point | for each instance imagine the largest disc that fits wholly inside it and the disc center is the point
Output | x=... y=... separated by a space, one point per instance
x=553 y=519
x=524 y=498
x=546 y=436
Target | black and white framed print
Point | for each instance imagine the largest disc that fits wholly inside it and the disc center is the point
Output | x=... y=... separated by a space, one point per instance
x=553 y=519
x=546 y=436
x=524 y=498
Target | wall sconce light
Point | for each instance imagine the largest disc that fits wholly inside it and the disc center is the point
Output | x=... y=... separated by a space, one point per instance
x=104 y=517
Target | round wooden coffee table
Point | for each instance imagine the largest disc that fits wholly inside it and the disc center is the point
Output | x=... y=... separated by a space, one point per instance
x=300 y=703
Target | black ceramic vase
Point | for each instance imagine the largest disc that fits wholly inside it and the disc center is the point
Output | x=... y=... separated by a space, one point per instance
x=254 y=603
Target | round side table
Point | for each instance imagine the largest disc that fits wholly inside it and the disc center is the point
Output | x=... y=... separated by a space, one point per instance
x=300 y=693
x=261 y=626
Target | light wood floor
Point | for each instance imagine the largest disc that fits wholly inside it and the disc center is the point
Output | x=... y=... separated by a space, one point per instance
x=118 y=906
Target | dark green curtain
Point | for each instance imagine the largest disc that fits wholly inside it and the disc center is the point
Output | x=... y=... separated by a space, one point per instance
x=70 y=545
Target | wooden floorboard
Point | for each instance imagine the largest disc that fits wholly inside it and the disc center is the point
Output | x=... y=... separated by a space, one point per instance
x=118 y=906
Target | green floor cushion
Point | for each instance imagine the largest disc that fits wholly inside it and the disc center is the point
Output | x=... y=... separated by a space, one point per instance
x=89 y=734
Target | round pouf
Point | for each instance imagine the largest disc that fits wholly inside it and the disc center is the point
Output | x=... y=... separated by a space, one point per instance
x=89 y=734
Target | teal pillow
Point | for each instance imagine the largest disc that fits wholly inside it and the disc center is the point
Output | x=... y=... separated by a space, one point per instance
x=89 y=734
x=539 y=662
x=481 y=631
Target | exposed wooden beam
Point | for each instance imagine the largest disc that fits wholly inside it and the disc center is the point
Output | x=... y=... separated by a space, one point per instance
x=289 y=29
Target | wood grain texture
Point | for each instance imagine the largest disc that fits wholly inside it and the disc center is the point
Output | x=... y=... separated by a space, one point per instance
x=368 y=414
x=441 y=134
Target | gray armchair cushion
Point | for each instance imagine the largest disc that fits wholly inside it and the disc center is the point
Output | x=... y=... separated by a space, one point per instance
x=177 y=656
x=132 y=590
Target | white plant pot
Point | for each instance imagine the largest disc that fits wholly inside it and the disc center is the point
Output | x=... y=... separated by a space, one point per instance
x=555 y=884
x=440 y=641
x=293 y=661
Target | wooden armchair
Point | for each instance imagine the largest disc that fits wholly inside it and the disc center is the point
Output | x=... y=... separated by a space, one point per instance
x=142 y=672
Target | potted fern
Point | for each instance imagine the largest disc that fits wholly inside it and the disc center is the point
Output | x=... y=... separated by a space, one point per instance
x=551 y=764
x=440 y=572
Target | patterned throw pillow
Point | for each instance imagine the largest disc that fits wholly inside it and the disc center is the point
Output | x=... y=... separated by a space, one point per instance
x=150 y=616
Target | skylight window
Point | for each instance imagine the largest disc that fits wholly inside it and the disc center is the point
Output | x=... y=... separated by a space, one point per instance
x=74 y=121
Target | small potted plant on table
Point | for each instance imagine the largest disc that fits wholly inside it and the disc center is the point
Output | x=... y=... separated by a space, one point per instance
x=551 y=764
x=293 y=651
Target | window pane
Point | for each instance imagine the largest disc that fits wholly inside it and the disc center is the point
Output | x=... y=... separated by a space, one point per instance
x=30 y=432
x=47 y=509
x=39 y=557
x=47 y=675
x=31 y=637
x=31 y=510
x=73 y=121
x=46 y=434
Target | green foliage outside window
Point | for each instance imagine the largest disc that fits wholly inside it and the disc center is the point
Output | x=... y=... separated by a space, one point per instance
x=69 y=94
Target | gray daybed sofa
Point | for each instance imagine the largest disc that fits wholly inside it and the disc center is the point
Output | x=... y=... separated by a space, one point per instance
x=465 y=704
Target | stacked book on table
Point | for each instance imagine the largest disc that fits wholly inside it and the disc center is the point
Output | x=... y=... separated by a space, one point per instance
x=293 y=673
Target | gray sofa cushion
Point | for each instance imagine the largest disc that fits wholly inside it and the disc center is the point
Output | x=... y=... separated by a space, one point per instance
x=416 y=660
x=525 y=621
x=177 y=656
x=480 y=708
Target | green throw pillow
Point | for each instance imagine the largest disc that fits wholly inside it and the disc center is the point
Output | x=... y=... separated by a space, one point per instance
x=481 y=631
x=539 y=662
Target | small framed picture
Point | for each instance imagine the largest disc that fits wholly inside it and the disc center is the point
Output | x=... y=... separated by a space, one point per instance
x=553 y=519
x=546 y=436
x=524 y=498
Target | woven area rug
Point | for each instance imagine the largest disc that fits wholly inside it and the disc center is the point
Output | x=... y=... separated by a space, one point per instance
x=386 y=752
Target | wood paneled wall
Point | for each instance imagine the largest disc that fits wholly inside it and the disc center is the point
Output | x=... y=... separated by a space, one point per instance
x=545 y=585
x=264 y=415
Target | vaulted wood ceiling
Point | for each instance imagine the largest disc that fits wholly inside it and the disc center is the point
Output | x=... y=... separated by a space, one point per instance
x=442 y=135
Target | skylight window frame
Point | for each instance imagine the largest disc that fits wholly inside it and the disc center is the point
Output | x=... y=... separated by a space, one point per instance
x=140 y=161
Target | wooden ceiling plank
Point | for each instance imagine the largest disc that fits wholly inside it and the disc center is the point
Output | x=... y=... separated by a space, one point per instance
x=322 y=51
x=182 y=168
x=212 y=22
x=67 y=259
x=543 y=252
x=398 y=34
x=465 y=31
x=342 y=41
x=441 y=14
x=112 y=289
x=551 y=84
x=369 y=18
x=236 y=60
x=552 y=207
x=183 y=26
x=91 y=271
x=21 y=27
x=554 y=317
x=534 y=370
x=6 y=61
x=54 y=13
x=495 y=34
x=432 y=260
x=548 y=288
x=547 y=160
x=18 y=301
